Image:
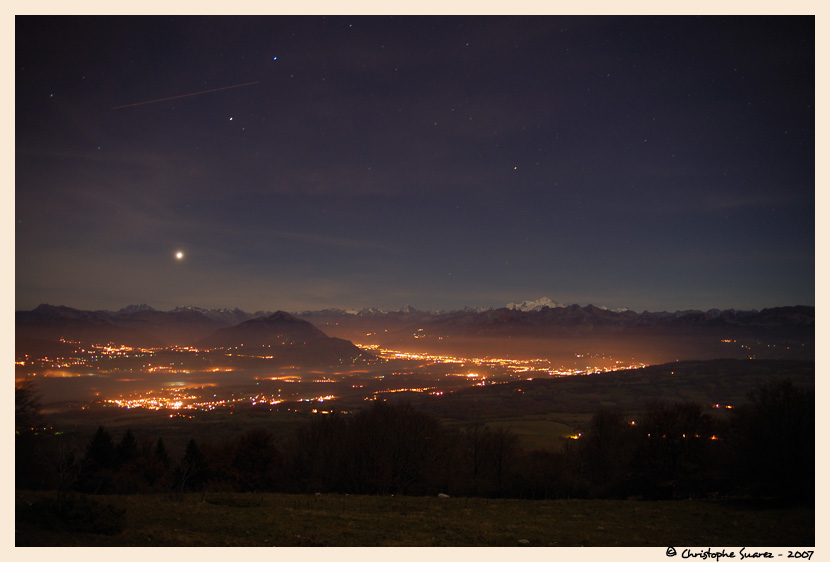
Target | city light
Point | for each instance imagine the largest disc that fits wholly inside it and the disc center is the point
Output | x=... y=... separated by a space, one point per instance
x=168 y=371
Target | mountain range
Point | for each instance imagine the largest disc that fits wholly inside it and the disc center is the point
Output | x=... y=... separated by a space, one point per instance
x=531 y=319
x=141 y=325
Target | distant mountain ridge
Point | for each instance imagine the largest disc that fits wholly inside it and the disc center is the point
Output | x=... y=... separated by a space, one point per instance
x=142 y=325
x=547 y=312
x=47 y=330
x=566 y=331
x=137 y=325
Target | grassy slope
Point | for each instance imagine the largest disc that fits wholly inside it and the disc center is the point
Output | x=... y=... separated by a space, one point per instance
x=334 y=520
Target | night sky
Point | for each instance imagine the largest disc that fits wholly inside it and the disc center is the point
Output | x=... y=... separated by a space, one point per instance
x=301 y=163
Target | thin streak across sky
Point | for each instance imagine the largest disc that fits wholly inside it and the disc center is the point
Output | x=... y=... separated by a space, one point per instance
x=533 y=126
x=187 y=95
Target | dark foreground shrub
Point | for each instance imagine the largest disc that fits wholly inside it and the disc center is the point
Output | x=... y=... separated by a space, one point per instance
x=75 y=514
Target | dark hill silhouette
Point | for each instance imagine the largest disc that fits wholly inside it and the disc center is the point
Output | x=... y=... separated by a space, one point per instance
x=286 y=338
x=134 y=325
x=50 y=324
x=277 y=328
x=40 y=332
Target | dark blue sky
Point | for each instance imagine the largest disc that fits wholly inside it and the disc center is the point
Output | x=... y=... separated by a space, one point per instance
x=656 y=163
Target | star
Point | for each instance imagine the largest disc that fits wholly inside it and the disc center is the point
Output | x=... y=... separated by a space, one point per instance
x=179 y=255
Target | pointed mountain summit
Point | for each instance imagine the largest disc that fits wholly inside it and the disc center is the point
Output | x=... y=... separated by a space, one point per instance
x=279 y=328
x=286 y=338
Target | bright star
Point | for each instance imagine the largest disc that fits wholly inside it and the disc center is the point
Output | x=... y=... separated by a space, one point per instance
x=179 y=255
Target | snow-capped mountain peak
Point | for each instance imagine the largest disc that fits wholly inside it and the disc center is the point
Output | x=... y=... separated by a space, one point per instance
x=538 y=304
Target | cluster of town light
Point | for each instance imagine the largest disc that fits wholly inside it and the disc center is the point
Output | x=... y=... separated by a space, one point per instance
x=473 y=369
x=511 y=365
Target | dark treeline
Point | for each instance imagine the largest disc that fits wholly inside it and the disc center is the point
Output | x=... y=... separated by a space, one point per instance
x=765 y=449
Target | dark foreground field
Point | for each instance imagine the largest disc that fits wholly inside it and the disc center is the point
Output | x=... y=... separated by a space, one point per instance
x=341 y=520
